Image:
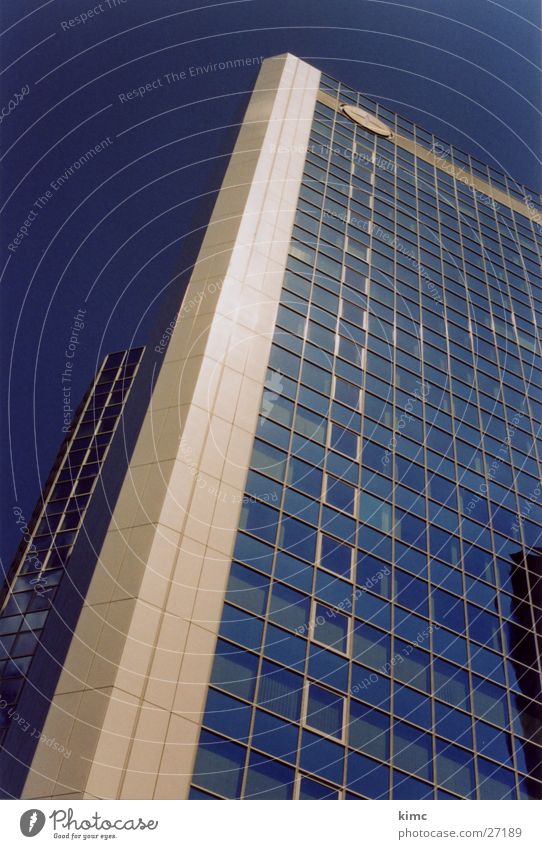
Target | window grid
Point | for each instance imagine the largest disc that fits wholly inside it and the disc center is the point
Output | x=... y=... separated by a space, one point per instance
x=462 y=675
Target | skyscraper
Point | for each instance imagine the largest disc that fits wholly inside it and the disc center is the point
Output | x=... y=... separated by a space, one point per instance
x=44 y=591
x=321 y=576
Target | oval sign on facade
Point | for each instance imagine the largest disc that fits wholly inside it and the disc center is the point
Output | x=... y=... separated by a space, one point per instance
x=366 y=120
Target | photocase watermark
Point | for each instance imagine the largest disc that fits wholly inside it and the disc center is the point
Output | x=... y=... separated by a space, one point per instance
x=536 y=214
x=32 y=822
x=399 y=246
x=396 y=660
x=25 y=726
x=187 y=454
x=91 y=14
x=79 y=163
x=188 y=73
x=497 y=461
x=31 y=557
x=92 y=827
x=405 y=417
x=14 y=101
x=187 y=307
x=346 y=604
x=55 y=185
x=66 y=377
x=324 y=150
x=526 y=508
x=442 y=156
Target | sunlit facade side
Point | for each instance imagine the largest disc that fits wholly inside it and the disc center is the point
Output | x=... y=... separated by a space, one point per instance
x=381 y=632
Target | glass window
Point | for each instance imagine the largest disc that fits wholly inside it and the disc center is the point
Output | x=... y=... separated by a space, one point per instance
x=493 y=743
x=408 y=704
x=311 y=789
x=285 y=648
x=330 y=627
x=322 y=757
x=409 y=474
x=412 y=750
x=304 y=477
x=411 y=665
x=370 y=687
x=476 y=561
x=341 y=526
x=451 y=683
x=375 y=457
x=406 y=787
x=253 y=552
x=289 y=608
x=325 y=711
x=371 y=646
x=369 y=730
x=316 y=378
x=489 y=664
x=409 y=558
x=234 y=670
x=455 y=770
x=269 y=460
x=448 y=610
x=352 y=313
x=410 y=529
x=227 y=716
x=219 y=765
x=328 y=667
x=297 y=538
x=333 y=590
x=410 y=592
x=300 y=506
x=340 y=494
x=372 y=609
x=241 y=627
x=367 y=777
x=347 y=393
x=376 y=512
x=444 y=546
x=373 y=574
x=489 y=702
x=449 y=645
x=280 y=690
x=293 y=571
x=200 y=795
x=284 y=362
x=272 y=432
x=312 y=425
x=378 y=409
x=344 y=441
x=453 y=724
x=495 y=782
x=247 y=588
x=484 y=627
x=268 y=779
x=376 y=484
x=275 y=736
x=336 y=556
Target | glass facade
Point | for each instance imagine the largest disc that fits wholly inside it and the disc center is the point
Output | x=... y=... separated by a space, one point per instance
x=43 y=560
x=381 y=632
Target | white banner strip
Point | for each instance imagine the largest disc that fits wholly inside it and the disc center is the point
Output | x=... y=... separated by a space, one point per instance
x=262 y=825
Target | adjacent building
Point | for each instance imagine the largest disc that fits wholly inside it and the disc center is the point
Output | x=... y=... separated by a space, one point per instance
x=321 y=575
x=44 y=591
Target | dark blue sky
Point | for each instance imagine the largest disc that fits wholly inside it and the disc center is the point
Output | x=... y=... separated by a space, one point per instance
x=109 y=239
